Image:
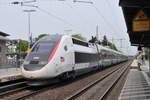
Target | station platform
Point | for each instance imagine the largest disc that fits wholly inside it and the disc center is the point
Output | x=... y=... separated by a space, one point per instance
x=137 y=85
x=7 y=74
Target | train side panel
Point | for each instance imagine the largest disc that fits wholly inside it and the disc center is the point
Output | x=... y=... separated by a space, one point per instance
x=61 y=60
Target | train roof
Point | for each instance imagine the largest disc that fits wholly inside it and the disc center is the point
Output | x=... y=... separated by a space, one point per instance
x=57 y=37
x=54 y=37
x=102 y=47
x=108 y=49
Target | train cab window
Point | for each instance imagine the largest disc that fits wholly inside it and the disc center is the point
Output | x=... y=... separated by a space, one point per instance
x=78 y=42
x=46 y=44
x=43 y=47
x=41 y=52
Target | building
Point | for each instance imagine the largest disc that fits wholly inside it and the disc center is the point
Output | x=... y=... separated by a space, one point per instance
x=3 y=47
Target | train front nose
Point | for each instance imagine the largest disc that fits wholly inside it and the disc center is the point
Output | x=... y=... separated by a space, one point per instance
x=36 y=63
x=44 y=73
x=36 y=74
x=34 y=67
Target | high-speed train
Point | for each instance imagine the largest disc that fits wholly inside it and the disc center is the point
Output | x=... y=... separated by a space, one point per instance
x=61 y=57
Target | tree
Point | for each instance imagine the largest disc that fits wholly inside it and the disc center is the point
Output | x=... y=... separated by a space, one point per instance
x=105 y=41
x=22 y=46
x=112 y=46
x=40 y=36
x=95 y=40
x=79 y=36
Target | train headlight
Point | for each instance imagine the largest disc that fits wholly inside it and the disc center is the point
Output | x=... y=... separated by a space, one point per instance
x=26 y=62
x=43 y=62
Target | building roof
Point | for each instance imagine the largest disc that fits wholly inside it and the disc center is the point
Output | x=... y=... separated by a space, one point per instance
x=3 y=34
x=4 y=38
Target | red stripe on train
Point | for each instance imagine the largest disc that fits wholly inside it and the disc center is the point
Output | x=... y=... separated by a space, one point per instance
x=54 y=51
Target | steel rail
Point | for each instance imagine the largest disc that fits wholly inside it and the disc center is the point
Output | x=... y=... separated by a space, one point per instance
x=11 y=85
x=83 y=90
x=26 y=92
x=4 y=94
x=113 y=84
x=31 y=93
x=11 y=82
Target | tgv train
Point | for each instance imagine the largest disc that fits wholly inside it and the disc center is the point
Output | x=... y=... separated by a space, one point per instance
x=61 y=57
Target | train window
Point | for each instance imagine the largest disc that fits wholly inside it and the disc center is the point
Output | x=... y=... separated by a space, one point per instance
x=43 y=47
x=85 y=57
x=34 y=62
x=75 y=41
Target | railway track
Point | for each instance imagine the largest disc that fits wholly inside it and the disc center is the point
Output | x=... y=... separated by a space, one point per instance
x=23 y=91
x=60 y=91
x=19 y=90
x=7 y=88
x=79 y=94
x=113 y=83
x=11 y=82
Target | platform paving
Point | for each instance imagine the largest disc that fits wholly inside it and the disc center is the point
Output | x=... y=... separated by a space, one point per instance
x=9 y=74
x=137 y=85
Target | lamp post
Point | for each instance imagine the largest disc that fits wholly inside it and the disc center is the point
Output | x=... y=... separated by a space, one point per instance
x=29 y=25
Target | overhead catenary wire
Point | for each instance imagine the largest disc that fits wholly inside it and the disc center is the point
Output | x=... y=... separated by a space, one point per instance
x=98 y=11
x=45 y=11
x=58 y=18
x=103 y=17
x=73 y=8
x=105 y=20
x=112 y=12
x=52 y=15
x=66 y=22
x=114 y=17
x=76 y=13
x=89 y=2
x=42 y=10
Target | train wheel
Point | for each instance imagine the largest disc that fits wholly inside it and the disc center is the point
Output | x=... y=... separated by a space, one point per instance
x=64 y=76
x=68 y=75
x=73 y=75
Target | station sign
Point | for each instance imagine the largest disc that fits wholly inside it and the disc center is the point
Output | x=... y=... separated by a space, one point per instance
x=141 y=22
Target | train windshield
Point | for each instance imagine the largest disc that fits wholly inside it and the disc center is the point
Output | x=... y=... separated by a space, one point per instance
x=40 y=53
x=43 y=47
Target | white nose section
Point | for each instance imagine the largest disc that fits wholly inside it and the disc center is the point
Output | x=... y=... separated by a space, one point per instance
x=42 y=73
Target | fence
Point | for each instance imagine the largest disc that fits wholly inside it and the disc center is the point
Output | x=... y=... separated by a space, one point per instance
x=11 y=61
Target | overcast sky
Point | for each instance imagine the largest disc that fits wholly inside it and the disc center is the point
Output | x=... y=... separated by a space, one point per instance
x=53 y=16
